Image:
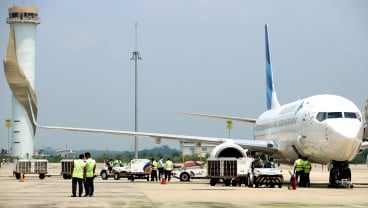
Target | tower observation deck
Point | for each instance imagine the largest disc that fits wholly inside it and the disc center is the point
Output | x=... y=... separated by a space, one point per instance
x=19 y=68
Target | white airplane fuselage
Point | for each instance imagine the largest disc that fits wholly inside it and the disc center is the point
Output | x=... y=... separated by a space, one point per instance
x=321 y=127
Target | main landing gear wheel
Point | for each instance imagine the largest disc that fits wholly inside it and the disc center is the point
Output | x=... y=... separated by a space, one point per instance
x=340 y=172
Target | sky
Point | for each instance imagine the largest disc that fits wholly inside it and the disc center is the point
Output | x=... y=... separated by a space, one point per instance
x=202 y=56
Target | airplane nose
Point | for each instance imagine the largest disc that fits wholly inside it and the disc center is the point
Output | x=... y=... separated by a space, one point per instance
x=347 y=130
x=345 y=138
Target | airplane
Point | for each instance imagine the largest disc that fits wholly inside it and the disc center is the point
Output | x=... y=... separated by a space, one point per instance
x=325 y=128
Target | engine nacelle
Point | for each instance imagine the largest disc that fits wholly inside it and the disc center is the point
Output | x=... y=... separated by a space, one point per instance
x=228 y=150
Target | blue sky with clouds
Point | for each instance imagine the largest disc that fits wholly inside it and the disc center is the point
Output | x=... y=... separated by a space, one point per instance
x=198 y=56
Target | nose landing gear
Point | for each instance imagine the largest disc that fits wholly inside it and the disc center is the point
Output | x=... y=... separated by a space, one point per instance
x=340 y=174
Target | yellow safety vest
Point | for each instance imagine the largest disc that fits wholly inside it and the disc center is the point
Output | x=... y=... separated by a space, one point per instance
x=78 y=168
x=169 y=165
x=160 y=165
x=299 y=165
x=90 y=164
x=307 y=166
x=154 y=165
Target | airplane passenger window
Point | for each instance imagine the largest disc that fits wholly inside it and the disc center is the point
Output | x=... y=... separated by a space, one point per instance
x=334 y=115
x=350 y=115
x=321 y=116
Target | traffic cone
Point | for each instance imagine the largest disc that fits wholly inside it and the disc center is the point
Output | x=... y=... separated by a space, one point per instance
x=163 y=180
x=21 y=179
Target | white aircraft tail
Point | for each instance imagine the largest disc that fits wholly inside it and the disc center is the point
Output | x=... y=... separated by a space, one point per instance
x=272 y=101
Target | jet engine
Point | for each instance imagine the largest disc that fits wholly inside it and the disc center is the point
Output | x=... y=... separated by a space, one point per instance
x=228 y=149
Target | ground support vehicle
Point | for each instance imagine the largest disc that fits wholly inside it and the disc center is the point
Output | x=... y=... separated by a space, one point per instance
x=136 y=169
x=265 y=177
x=24 y=166
x=139 y=169
x=116 y=173
x=228 y=170
x=66 y=168
x=192 y=172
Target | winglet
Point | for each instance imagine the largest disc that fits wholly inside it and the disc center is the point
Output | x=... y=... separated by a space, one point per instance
x=33 y=116
x=272 y=101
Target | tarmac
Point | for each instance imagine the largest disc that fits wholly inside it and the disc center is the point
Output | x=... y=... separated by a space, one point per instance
x=54 y=191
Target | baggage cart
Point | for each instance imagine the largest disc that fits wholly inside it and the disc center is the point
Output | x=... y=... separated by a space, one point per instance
x=33 y=166
x=66 y=168
x=228 y=170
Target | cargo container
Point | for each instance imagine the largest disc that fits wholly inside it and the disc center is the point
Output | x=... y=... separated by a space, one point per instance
x=66 y=168
x=228 y=170
x=23 y=167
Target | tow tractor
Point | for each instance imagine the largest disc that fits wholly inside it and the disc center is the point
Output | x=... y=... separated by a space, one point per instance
x=265 y=176
x=116 y=172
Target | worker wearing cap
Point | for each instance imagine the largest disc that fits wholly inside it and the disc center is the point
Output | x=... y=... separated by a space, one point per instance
x=78 y=173
x=90 y=174
x=298 y=170
x=168 y=168
x=307 y=169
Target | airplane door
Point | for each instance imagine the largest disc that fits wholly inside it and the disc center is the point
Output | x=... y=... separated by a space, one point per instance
x=302 y=126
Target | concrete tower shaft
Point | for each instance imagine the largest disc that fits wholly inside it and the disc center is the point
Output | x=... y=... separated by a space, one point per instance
x=19 y=68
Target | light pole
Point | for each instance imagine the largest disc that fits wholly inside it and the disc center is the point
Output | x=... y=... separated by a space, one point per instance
x=8 y=125
x=136 y=57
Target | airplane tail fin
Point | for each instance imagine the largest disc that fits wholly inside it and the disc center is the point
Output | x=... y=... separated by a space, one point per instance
x=272 y=101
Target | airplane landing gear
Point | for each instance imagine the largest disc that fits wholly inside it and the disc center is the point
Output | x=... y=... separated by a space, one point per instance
x=340 y=174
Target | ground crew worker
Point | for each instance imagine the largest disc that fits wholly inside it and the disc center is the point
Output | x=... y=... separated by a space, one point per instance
x=168 y=168
x=160 y=167
x=154 y=170
x=299 y=171
x=307 y=169
x=78 y=173
x=90 y=175
x=270 y=163
x=116 y=163
x=111 y=164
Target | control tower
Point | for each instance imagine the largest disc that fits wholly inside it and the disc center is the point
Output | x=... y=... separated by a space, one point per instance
x=19 y=68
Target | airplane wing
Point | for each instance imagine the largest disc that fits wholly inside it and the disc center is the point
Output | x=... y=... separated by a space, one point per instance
x=249 y=120
x=264 y=146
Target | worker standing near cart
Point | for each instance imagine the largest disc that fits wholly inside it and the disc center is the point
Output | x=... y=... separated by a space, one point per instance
x=168 y=168
x=78 y=173
x=160 y=167
x=90 y=174
x=154 y=170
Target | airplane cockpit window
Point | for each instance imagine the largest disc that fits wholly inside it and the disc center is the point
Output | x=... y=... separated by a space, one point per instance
x=321 y=116
x=352 y=115
x=349 y=115
x=334 y=115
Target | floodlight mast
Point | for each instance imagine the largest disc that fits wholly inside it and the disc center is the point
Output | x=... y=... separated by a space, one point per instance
x=136 y=57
